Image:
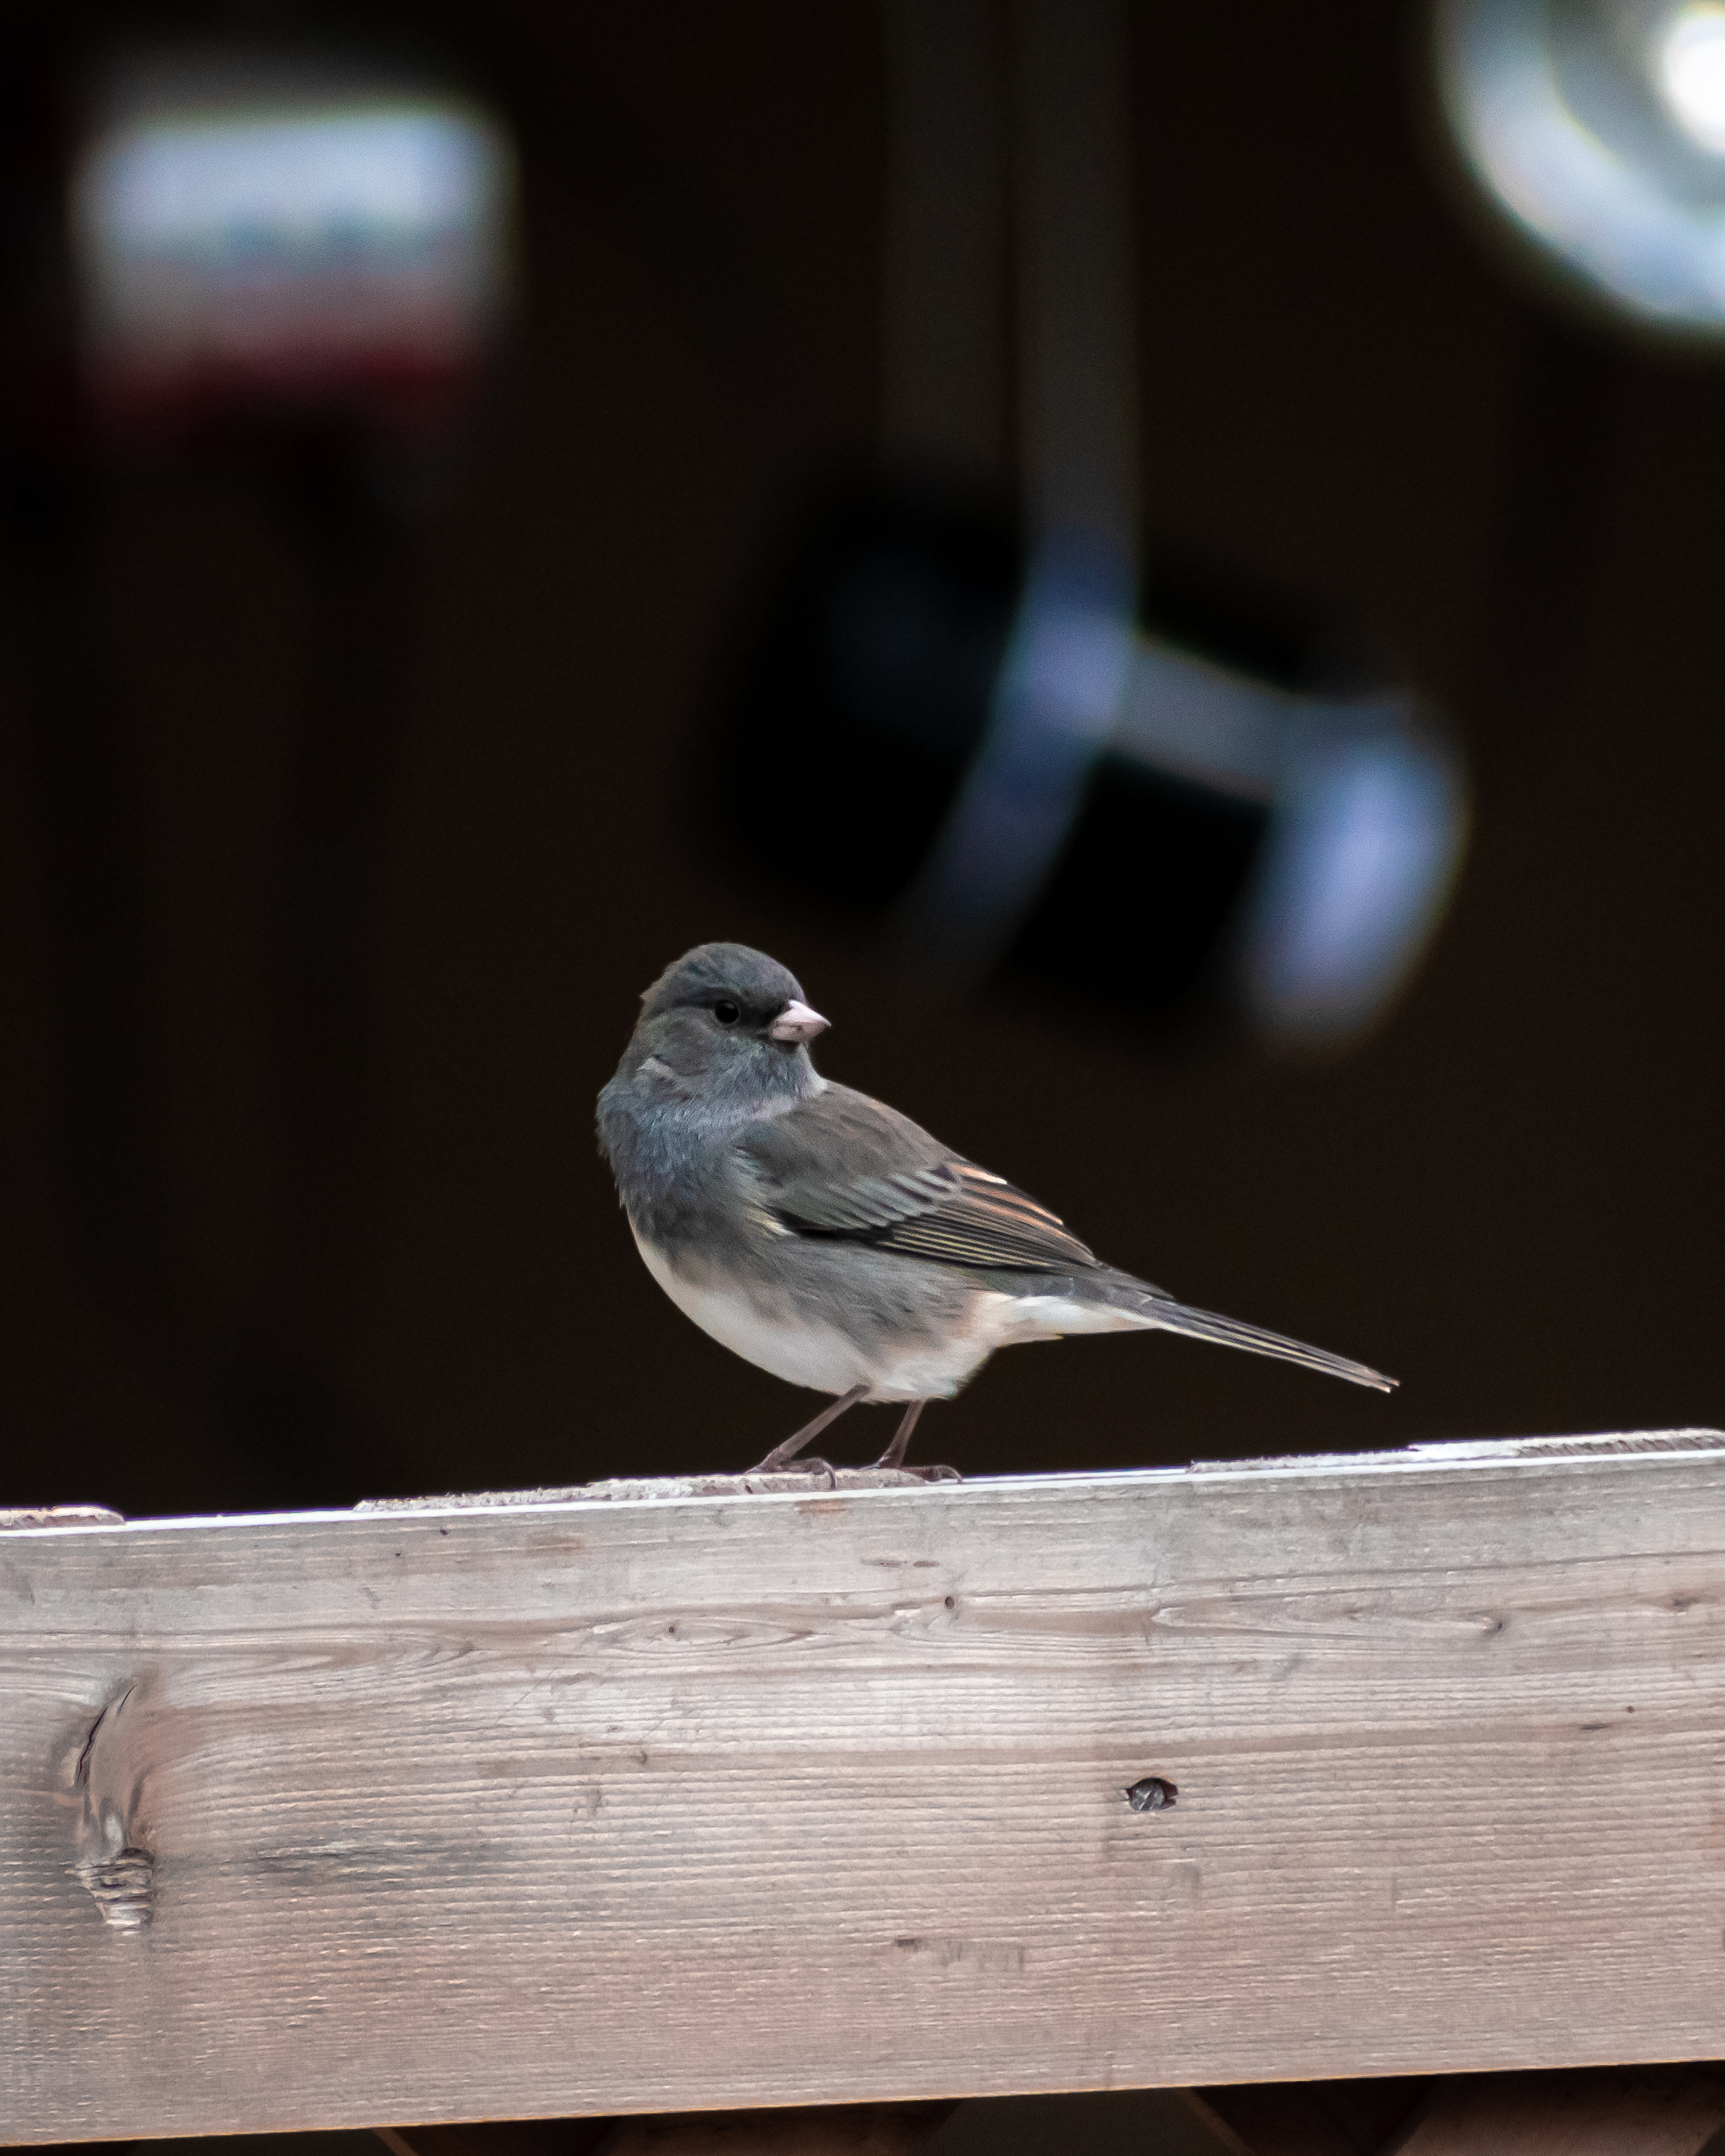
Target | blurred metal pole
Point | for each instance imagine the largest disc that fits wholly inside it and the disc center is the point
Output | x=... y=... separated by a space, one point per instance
x=1365 y=806
x=1078 y=331
x=1061 y=690
x=944 y=355
x=1024 y=109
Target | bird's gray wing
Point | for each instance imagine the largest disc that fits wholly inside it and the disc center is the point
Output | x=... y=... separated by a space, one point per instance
x=846 y=1168
x=849 y=1169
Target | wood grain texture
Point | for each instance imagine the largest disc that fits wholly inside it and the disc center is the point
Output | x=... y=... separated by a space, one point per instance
x=333 y=1819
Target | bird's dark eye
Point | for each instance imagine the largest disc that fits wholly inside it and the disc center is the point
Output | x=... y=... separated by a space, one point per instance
x=726 y=1011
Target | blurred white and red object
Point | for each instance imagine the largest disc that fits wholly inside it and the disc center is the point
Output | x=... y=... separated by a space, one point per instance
x=262 y=241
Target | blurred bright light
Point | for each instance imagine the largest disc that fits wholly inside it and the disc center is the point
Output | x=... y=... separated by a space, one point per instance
x=1010 y=767
x=1368 y=836
x=273 y=243
x=1055 y=706
x=1367 y=823
x=1366 y=810
x=315 y=185
x=1602 y=144
x=1692 y=71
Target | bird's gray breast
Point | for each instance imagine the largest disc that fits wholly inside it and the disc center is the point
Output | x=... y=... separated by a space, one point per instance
x=675 y=1162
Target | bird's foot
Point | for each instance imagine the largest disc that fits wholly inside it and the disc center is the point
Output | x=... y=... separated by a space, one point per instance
x=813 y=1465
x=781 y=1455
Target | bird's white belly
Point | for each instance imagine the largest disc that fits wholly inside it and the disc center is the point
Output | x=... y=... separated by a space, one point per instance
x=819 y=1356
x=827 y=1360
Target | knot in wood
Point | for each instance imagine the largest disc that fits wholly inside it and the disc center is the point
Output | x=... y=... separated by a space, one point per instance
x=122 y=1886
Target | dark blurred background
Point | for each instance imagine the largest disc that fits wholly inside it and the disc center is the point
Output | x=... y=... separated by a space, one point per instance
x=343 y=817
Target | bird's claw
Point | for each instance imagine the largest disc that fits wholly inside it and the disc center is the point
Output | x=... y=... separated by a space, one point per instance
x=808 y=1464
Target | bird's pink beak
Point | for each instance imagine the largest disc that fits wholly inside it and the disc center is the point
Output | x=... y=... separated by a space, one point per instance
x=797 y=1022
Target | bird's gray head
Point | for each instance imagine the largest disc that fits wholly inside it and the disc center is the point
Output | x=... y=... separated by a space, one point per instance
x=726 y=1022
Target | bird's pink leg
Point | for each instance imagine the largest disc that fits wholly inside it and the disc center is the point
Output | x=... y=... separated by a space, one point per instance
x=894 y=1455
x=781 y=1455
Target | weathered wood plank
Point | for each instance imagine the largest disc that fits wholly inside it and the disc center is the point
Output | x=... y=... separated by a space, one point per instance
x=331 y=1820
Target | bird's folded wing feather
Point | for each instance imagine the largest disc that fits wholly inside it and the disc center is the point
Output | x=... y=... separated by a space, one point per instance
x=845 y=1167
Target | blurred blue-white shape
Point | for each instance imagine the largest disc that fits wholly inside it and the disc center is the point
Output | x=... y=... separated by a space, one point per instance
x=1691 y=72
x=1055 y=706
x=1599 y=127
x=1368 y=822
x=1366 y=837
x=254 y=233
x=1365 y=806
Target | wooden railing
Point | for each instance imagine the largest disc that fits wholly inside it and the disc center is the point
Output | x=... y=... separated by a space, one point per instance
x=1410 y=1765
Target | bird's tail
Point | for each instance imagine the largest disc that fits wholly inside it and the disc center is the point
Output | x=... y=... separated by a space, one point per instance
x=1151 y=1308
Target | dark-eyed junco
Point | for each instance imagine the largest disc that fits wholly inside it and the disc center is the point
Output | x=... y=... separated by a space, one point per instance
x=825 y=1236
